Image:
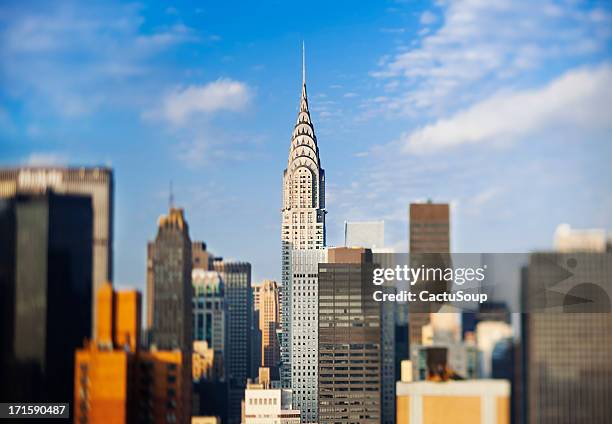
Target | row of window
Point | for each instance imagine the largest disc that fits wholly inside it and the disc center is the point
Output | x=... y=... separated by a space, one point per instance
x=263 y=401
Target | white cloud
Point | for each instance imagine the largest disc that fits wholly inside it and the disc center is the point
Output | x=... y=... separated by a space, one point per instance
x=71 y=60
x=478 y=203
x=223 y=94
x=483 y=43
x=427 y=18
x=579 y=99
x=485 y=196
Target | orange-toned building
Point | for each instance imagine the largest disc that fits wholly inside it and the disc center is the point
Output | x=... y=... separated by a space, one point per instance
x=103 y=393
x=116 y=381
x=163 y=388
x=457 y=402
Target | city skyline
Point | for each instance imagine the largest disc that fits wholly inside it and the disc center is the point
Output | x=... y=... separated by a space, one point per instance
x=186 y=76
x=437 y=128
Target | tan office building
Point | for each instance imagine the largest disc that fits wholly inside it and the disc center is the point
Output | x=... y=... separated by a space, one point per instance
x=457 y=402
x=269 y=323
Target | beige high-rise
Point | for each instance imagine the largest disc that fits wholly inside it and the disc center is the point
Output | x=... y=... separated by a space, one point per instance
x=269 y=309
x=303 y=212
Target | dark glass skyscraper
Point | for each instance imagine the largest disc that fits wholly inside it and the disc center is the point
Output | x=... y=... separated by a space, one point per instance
x=96 y=183
x=237 y=279
x=46 y=284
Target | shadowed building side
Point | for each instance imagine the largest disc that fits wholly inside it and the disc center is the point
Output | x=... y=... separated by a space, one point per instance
x=48 y=276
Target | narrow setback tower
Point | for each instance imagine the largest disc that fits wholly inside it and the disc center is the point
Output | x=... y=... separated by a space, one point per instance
x=303 y=212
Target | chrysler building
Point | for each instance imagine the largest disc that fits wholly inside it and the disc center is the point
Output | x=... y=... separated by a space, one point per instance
x=303 y=212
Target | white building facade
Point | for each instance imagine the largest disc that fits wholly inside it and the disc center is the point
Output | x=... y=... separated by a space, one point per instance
x=369 y=234
x=303 y=213
x=303 y=336
x=269 y=406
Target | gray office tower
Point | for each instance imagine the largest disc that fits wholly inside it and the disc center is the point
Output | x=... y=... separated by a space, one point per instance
x=96 y=183
x=567 y=347
x=46 y=244
x=349 y=340
x=171 y=290
x=237 y=279
x=371 y=235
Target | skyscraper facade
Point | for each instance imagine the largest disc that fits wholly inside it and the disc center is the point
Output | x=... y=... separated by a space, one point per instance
x=303 y=290
x=264 y=405
x=106 y=364
x=349 y=354
x=256 y=335
x=236 y=277
x=303 y=210
x=269 y=309
x=172 y=294
x=45 y=293
x=429 y=228
x=371 y=235
x=389 y=326
x=200 y=257
x=116 y=381
x=255 y=291
x=149 y=289
x=567 y=352
x=457 y=402
x=172 y=289
x=368 y=234
x=429 y=233
x=568 y=239
x=209 y=312
x=96 y=183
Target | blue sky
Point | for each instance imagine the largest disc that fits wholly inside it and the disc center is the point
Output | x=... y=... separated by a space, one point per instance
x=502 y=108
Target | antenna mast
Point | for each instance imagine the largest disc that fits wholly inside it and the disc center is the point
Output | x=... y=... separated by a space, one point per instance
x=303 y=63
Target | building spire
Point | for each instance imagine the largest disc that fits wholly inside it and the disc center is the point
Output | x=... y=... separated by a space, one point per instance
x=304 y=99
x=171 y=197
x=303 y=63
